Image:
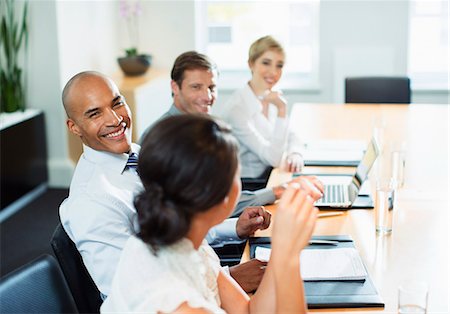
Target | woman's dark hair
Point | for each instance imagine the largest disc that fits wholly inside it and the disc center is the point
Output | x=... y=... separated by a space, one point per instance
x=187 y=164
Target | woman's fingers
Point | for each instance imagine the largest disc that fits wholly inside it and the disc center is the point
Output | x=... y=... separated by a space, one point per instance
x=290 y=192
x=306 y=221
x=294 y=162
x=316 y=182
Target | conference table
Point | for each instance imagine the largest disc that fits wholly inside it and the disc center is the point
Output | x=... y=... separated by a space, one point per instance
x=418 y=247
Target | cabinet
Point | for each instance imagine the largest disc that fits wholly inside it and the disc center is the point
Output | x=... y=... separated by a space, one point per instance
x=23 y=155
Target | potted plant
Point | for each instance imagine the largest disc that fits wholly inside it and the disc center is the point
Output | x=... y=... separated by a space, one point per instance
x=13 y=35
x=133 y=63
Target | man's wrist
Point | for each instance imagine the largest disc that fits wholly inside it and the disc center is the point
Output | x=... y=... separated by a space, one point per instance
x=238 y=233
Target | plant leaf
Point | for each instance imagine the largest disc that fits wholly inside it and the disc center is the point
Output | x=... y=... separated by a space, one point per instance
x=23 y=29
x=12 y=36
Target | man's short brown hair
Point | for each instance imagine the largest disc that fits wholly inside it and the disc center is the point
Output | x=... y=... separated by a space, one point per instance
x=190 y=60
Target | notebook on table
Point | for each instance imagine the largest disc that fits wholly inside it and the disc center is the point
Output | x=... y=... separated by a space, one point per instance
x=347 y=153
x=353 y=292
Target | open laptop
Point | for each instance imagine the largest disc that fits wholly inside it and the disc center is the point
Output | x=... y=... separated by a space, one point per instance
x=344 y=195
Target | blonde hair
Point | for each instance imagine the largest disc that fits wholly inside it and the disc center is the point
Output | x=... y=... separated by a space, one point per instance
x=263 y=44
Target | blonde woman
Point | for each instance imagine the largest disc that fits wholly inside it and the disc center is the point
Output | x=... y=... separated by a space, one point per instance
x=258 y=115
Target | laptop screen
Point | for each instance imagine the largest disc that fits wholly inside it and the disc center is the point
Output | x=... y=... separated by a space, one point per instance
x=366 y=163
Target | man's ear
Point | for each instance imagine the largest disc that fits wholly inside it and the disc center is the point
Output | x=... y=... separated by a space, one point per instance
x=175 y=88
x=73 y=127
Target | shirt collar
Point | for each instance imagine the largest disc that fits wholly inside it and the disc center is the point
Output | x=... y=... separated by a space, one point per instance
x=173 y=111
x=114 y=162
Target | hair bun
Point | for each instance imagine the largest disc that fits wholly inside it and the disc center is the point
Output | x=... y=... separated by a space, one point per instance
x=160 y=221
x=154 y=192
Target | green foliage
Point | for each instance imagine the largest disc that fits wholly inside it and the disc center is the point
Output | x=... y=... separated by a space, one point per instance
x=13 y=34
x=131 y=52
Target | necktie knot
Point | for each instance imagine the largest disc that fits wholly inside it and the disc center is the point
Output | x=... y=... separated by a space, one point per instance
x=132 y=161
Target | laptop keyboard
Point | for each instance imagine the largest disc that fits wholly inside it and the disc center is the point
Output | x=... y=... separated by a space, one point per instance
x=333 y=193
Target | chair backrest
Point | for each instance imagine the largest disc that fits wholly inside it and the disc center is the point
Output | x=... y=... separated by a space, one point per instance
x=381 y=90
x=37 y=287
x=84 y=291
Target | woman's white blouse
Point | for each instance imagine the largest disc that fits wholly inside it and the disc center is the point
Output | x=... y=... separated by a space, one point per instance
x=178 y=273
x=262 y=140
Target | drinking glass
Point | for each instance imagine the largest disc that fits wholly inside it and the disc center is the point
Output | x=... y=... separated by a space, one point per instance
x=398 y=164
x=412 y=297
x=384 y=207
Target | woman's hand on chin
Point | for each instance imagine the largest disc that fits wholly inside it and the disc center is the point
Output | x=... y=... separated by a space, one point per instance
x=276 y=98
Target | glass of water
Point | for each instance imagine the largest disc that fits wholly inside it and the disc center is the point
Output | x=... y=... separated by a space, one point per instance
x=412 y=297
x=398 y=163
x=384 y=206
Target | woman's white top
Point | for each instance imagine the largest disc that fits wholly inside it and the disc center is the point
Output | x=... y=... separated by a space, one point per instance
x=263 y=140
x=150 y=283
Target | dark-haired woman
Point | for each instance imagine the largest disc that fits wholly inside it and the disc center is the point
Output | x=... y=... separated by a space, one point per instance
x=190 y=170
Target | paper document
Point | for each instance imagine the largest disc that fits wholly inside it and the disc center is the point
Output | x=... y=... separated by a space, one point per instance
x=334 y=151
x=336 y=145
x=262 y=253
x=331 y=155
x=325 y=264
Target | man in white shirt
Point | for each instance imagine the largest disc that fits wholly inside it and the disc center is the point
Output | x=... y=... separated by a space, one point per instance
x=99 y=215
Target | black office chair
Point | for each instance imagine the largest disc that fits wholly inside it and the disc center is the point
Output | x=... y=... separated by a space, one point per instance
x=253 y=184
x=37 y=287
x=381 y=90
x=230 y=254
x=84 y=291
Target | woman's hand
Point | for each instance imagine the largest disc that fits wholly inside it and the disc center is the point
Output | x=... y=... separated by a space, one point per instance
x=294 y=223
x=276 y=98
x=311 y=185
x=294 y=162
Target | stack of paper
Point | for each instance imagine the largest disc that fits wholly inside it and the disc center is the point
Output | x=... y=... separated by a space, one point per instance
x=326 y=264
x=336 y=152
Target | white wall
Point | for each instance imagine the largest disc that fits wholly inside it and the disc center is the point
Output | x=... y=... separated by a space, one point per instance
x=361 y=38
x=66 y=37
x=44 y=86
x=87 y=37
x=70 y=36
x=168 y=29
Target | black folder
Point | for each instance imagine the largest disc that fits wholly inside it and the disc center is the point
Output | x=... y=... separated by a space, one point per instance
x=331 y=163
x=333 y=294
x=362 y=202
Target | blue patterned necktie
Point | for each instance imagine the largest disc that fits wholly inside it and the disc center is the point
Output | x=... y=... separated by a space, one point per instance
x=132 y=162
